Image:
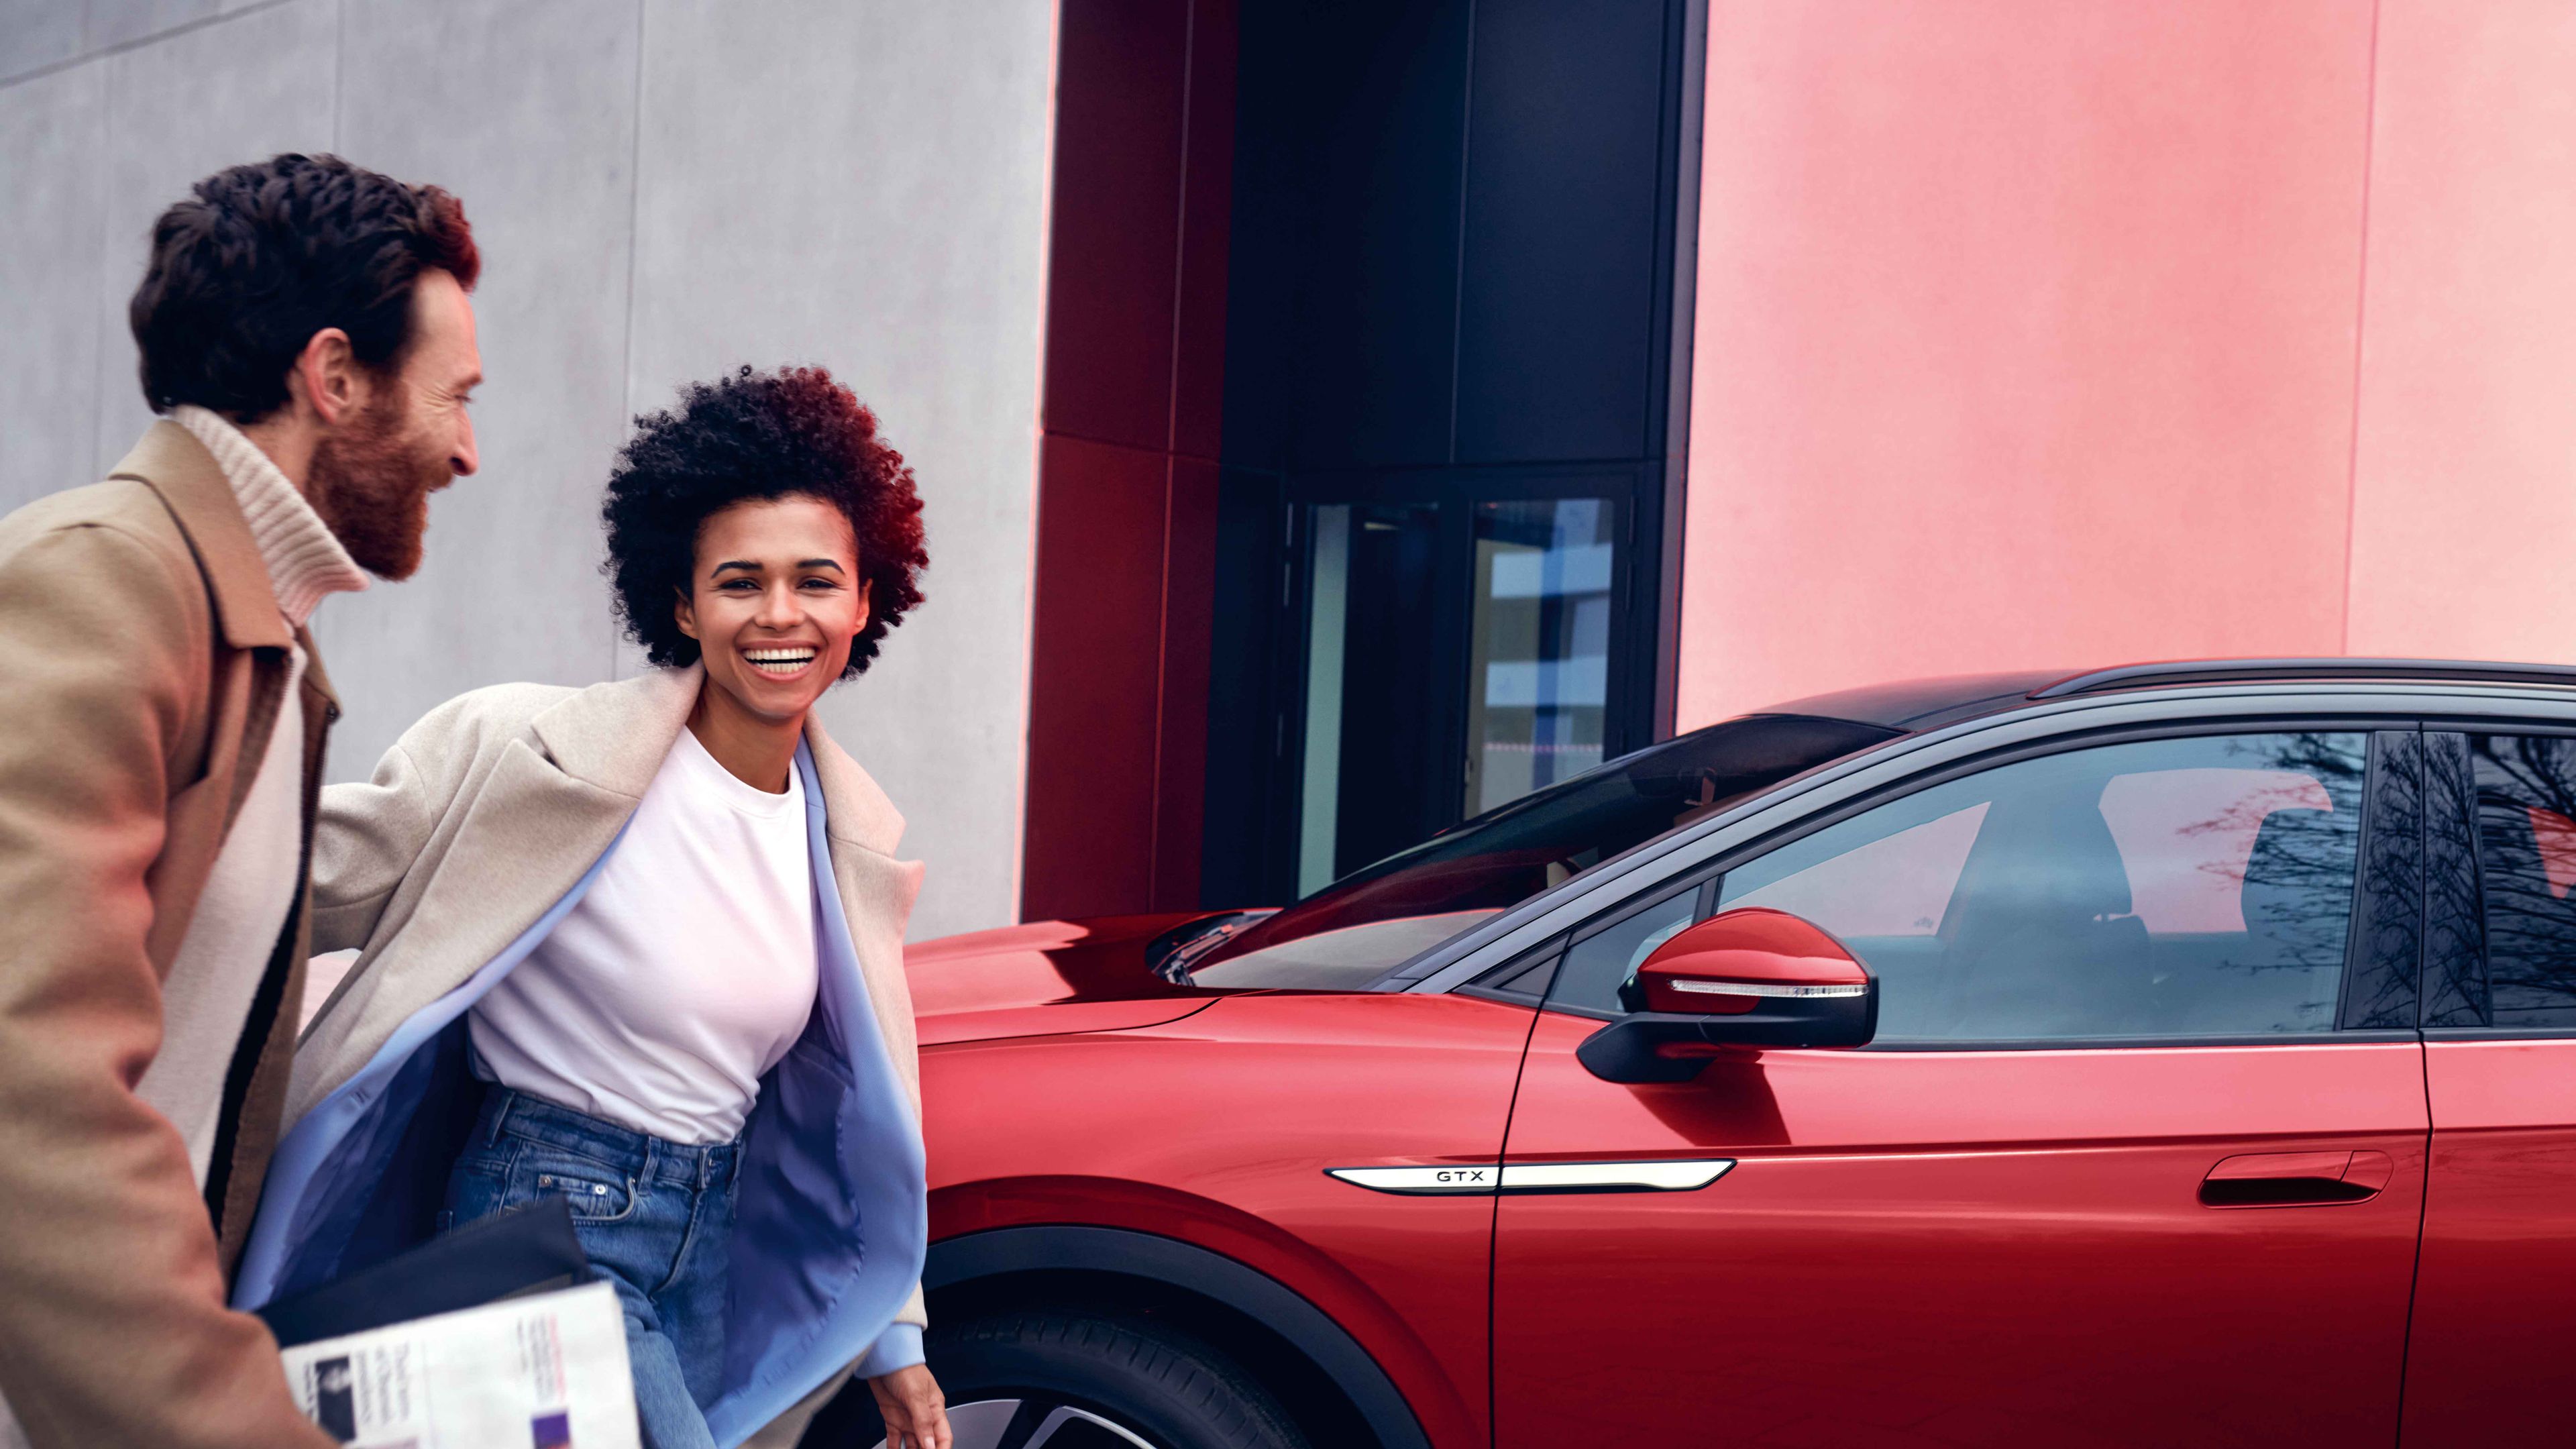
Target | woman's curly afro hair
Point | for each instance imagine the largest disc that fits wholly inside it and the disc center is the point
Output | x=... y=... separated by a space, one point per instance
x=748 y=436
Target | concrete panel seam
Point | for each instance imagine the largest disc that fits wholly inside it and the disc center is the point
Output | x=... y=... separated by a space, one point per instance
x=139 y=42
x=634 y=264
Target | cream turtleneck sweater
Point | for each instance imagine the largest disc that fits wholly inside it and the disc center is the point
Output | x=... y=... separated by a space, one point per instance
x=258 y=873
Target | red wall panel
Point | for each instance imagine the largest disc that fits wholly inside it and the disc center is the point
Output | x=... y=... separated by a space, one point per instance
x=1095 y=677
x=1189 y=606
x=1207 y=202
x=1122 y=71
x=1126 y=475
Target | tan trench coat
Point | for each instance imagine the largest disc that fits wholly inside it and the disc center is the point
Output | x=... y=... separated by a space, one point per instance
x=143 y=660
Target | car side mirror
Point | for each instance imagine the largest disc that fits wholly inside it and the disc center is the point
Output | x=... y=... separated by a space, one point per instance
x=1749 y=977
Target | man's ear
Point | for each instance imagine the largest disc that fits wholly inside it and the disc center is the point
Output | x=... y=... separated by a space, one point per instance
x=327 y=379
x=683 y=613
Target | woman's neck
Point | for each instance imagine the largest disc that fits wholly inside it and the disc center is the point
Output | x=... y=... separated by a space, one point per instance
x=754 y=750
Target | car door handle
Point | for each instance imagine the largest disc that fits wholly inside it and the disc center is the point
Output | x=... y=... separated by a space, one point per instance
x=2296 y=1179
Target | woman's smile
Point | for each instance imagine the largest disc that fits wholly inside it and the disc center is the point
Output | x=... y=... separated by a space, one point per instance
x=782 y=661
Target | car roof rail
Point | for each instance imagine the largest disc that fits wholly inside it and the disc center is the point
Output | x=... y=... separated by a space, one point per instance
x=2220 y=671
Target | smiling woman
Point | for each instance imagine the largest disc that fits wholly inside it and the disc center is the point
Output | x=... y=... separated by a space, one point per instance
x=657 y=925
x=749 y=437
x=773 y=601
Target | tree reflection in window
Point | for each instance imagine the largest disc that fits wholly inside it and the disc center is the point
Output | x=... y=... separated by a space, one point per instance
x=2527 y=863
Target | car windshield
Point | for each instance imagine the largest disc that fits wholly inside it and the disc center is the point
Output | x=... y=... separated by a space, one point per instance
x=1355 y=930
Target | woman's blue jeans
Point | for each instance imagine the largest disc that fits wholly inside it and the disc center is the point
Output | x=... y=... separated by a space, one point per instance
x=655 y=1217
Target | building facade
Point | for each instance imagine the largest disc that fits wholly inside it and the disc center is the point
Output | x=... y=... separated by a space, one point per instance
x=1337 y=419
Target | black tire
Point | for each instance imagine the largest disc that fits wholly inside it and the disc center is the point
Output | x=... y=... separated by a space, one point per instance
x=1154 y=1381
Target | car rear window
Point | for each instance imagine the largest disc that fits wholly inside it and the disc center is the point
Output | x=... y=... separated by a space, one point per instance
x=2527 y=862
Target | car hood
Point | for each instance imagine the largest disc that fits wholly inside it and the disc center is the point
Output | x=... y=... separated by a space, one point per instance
x=1046 y=978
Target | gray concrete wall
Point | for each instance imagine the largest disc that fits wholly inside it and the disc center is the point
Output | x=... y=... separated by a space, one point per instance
x=662 y=189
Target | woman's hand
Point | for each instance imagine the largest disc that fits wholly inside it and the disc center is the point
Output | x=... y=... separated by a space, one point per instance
x=915 y=1413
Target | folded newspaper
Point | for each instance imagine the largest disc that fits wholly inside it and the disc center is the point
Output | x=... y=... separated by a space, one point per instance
x=545 y=1371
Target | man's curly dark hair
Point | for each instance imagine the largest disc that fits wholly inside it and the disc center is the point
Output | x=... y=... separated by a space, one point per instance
x=757 y=435
x=263 y=256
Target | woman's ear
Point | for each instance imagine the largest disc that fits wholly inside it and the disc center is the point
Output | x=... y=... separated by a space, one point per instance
x=866 y=587
x=684 y=614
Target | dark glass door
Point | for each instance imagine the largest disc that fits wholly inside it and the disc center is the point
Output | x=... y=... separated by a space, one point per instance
x=1458 y=652
x=1456 y=333
x=1372 y=590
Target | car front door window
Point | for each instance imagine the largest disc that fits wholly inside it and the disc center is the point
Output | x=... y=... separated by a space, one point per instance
x=2195 y=886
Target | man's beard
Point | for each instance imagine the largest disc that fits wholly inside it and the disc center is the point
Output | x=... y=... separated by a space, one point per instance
x=372 y=483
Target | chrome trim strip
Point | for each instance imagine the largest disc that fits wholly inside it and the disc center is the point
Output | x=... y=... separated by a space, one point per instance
x=1479 y=1179
x=1614 y=1176
x=1466 y=1177
x=1762 y=988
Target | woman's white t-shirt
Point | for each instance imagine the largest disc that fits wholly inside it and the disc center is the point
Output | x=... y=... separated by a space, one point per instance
x=683 y=975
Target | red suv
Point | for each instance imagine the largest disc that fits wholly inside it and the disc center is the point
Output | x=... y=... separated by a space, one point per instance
x=2169 y=1054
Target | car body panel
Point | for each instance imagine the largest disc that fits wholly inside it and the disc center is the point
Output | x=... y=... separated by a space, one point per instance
x=1047 y=978
x=1218 y=1130
x=2494 y=1312
x=1963 y=1245
x=2000 y=1247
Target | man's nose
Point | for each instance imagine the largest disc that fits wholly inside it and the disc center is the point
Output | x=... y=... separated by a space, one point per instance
x=462 y=462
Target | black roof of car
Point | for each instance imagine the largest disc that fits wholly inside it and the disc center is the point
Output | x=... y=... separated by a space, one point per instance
x=1921 y=704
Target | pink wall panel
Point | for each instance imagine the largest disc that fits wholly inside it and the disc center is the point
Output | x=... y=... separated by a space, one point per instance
x=2025 y=337
x=2465 y=504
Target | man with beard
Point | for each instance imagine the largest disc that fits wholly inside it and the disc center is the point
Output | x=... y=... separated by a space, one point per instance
x=305 y=331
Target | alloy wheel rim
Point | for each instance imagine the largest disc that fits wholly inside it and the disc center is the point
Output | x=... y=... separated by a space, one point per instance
x=1036 y=1423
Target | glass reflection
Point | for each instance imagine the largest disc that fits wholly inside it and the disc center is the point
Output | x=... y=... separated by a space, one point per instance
x=2527 y=859
x=2171 y=887
x=1539 y=666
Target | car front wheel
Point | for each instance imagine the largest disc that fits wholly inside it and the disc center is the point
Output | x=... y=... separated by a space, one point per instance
x=1060 y=1380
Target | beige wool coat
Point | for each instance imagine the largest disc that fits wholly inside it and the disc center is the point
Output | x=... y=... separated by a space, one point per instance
x=143 y=668
x=494 y=805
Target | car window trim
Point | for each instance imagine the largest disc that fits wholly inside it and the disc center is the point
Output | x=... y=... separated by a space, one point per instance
x=2374 y=706
x=1700 y=884
x=1482 y=989
x=2453 y=979
x=1714 y=867
x=2384 y=943
x=1716 y=870
x=2336 y=1037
